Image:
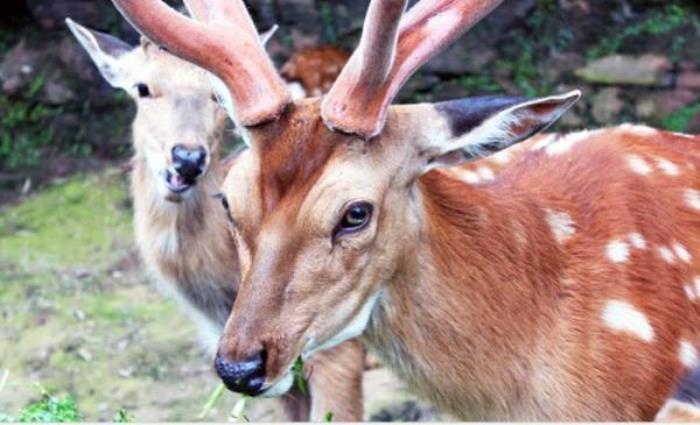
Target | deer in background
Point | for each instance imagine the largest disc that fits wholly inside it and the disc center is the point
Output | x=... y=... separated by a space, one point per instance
x=567 y=288
x=179 y=225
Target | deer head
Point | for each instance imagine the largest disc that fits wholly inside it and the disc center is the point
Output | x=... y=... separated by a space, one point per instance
x=326 y=206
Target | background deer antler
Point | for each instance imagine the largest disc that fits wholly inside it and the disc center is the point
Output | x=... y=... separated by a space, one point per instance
x=228 y=46
x=358 y=101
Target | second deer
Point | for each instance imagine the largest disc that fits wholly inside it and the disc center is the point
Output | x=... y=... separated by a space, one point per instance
x=178 y=222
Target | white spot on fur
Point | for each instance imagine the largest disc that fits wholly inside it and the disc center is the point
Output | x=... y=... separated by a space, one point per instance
x=697 y=284
x=565 y=143
x=637 y=240
x=502 y=158
x=543 y=142
x=467 y=176
x=639 y=130
x=617 y=251
x=561 y=224
x=666 y=254
x=688 y=354
x=667 y=167
x=690 y=292
x=687 y=136
x=682 y=252
x=692 y=198
x=623 y=316
x=486 y=173
x=675 y=410
x=638 y=165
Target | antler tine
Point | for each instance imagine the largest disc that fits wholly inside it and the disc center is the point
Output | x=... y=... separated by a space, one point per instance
x=257 y=90
x=357 y=103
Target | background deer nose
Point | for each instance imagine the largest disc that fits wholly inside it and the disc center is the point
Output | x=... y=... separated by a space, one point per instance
x=246 y=377
x=189 y=162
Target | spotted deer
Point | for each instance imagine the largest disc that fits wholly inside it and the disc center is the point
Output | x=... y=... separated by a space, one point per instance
x=565 y=288
x=179 y=226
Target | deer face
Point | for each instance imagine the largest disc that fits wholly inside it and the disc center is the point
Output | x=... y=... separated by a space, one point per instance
x=323 y=219
x=178 y=122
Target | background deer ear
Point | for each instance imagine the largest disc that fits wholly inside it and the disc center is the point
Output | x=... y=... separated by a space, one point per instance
x=481 y=126
x=105 y=51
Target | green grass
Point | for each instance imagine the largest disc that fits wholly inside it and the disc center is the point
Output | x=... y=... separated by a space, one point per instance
x=71 y=223
x=50 y=409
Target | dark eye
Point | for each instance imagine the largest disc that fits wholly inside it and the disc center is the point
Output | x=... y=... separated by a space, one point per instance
x=143 y=90
x=356 y=218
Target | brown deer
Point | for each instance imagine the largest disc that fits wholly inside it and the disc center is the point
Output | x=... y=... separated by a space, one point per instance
x=566 y=288
x=179 y=225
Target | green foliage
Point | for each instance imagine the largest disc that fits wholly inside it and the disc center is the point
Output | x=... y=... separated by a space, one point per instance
x=659 y=22
x=50 y=409
x=299 y=379
x=680 y=119
x=479 y=83
x=24 y=131
x=328 y=417
x=123 y=416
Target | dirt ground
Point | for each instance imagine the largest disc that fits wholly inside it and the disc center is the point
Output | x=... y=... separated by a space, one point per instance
x=78 y=316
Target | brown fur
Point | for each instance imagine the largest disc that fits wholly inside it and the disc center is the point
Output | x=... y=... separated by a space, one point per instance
x=315 y=68
x=481 y=309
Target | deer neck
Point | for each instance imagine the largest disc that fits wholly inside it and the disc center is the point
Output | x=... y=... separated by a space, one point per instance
x=463 y=318
x=186 y=244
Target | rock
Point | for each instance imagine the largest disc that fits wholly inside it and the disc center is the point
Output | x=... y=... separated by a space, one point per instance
x=50 y=14
x=661 y=104
x=689 y=79
x=606 y=105
x=645 y=70
x=18 y=68
x=559 y=64
x=457 y=61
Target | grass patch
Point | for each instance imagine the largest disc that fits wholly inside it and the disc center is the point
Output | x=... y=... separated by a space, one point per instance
x=50 y=409
x=68 y=224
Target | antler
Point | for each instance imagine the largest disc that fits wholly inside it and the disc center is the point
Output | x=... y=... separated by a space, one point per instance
x=223 y=40
x=358 y=101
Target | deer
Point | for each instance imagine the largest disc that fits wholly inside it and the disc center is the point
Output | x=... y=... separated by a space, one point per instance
x=178 y=221
x=564 y=289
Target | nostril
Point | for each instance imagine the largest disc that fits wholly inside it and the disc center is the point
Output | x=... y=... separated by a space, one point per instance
x=189 y=163
x=246 y=376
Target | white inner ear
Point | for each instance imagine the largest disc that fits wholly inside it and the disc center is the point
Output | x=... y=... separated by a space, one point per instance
x=110 y=67
x=499 y=129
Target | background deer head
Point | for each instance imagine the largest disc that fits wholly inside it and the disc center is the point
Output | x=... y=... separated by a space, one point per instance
x=178 y=124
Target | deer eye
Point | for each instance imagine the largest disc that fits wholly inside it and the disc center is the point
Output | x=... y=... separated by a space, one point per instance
x=355 y=218
x=143 y=90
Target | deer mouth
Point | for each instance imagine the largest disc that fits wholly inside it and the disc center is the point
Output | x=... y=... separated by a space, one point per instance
x=177 y=183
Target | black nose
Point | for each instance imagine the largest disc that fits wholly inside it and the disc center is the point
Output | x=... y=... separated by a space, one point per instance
x=189 y=162
x=245 y=377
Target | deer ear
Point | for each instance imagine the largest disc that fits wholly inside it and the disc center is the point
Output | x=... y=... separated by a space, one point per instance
x=481 y=126
x=105 y=51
